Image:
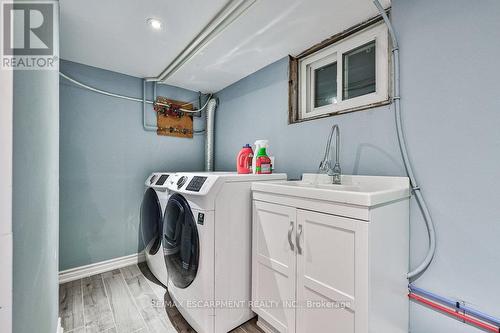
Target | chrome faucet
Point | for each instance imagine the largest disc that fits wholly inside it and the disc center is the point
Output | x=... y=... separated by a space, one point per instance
x=326 y=165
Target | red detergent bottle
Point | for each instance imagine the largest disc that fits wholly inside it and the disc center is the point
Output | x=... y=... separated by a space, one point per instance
x=244 y=160
x=263 y=162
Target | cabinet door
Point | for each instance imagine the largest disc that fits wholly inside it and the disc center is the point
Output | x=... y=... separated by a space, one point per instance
x=331 y=273
x=274 y=264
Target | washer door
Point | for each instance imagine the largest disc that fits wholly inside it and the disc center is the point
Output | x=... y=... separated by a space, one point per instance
x=151 y=221
x=181 y=246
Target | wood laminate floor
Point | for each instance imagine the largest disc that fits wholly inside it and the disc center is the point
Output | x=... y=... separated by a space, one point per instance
x=125 y=300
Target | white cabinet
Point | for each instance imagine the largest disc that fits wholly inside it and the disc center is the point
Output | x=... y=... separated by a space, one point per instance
x=274 y=264
x=320 y=272
x=331 y=261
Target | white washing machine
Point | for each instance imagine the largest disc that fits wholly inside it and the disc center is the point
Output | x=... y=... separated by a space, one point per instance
x=207 y=247
x=153 y=207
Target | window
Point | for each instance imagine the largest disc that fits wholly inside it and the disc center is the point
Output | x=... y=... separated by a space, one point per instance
x=359 y=71
x=325 y=85
x=350 y=74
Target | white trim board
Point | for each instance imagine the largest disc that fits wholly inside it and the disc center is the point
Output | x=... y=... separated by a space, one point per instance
x=6 y=141
x=100 y=267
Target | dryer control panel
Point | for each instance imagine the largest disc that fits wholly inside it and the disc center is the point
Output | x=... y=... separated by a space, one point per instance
x=196 y=183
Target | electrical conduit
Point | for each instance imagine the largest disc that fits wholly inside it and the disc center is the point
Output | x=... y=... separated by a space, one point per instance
x=140 y=100
x=144 y=101
x=404 y=151
x=450 y=307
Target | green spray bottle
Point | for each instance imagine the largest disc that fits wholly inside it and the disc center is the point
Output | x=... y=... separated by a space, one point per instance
x=263 y=162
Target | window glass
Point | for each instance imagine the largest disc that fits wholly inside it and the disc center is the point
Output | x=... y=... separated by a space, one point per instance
x=359 y=71
x=325 y=85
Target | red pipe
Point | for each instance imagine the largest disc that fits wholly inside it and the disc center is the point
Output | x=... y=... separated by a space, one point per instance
x=455 y=314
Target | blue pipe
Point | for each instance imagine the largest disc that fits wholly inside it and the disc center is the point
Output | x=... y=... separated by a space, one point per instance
x=455 y=304
x=432 y=296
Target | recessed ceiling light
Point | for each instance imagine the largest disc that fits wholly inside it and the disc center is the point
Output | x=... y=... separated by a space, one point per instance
x=155 y=24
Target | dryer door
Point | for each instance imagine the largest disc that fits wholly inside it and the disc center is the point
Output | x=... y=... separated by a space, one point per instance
x=151 y=221
x=181 y=246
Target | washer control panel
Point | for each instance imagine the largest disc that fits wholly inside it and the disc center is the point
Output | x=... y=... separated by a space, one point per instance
x=196 y=183
x=158 y=181
x=161 y=181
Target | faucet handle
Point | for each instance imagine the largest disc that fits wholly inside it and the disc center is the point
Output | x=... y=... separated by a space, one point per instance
x=324 y=166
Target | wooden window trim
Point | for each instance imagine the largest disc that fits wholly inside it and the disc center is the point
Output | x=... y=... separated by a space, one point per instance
x=293 y=73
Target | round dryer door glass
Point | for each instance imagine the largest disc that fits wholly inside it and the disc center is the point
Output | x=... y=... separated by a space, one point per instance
x=151 y=221
x=180 y=242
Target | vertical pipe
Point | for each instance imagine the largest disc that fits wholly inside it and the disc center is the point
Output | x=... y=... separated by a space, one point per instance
x=144 y=124
x=209 y=142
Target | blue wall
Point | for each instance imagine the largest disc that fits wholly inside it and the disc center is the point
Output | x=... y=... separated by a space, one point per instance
x=450 y=100
x=105 y=159
x=35 y=194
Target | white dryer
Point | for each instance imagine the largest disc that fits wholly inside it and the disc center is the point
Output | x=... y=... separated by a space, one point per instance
x=153 y=205
x=207 y=247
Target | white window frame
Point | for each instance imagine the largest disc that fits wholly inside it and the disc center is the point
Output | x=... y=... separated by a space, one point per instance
x=334 y=53
x=6 y=148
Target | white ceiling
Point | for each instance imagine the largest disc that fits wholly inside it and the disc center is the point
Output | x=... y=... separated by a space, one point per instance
x=113 y=35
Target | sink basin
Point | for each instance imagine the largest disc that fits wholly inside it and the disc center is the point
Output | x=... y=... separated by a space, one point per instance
x=356 y=190
x=335 y=187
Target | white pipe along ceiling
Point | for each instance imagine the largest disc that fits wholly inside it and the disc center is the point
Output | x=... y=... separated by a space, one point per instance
x=204 y=45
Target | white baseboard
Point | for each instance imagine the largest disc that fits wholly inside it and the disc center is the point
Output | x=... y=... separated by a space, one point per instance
x=100 y=267
x=265 y=326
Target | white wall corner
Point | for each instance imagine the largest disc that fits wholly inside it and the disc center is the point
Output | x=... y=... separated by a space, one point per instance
x=6 y=135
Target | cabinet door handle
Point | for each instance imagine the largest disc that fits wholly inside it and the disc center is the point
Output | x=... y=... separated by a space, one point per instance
x=297 y=240
x=290 y=231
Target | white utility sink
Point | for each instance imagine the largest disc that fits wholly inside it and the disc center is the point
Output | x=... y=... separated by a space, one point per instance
x=356 y=190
